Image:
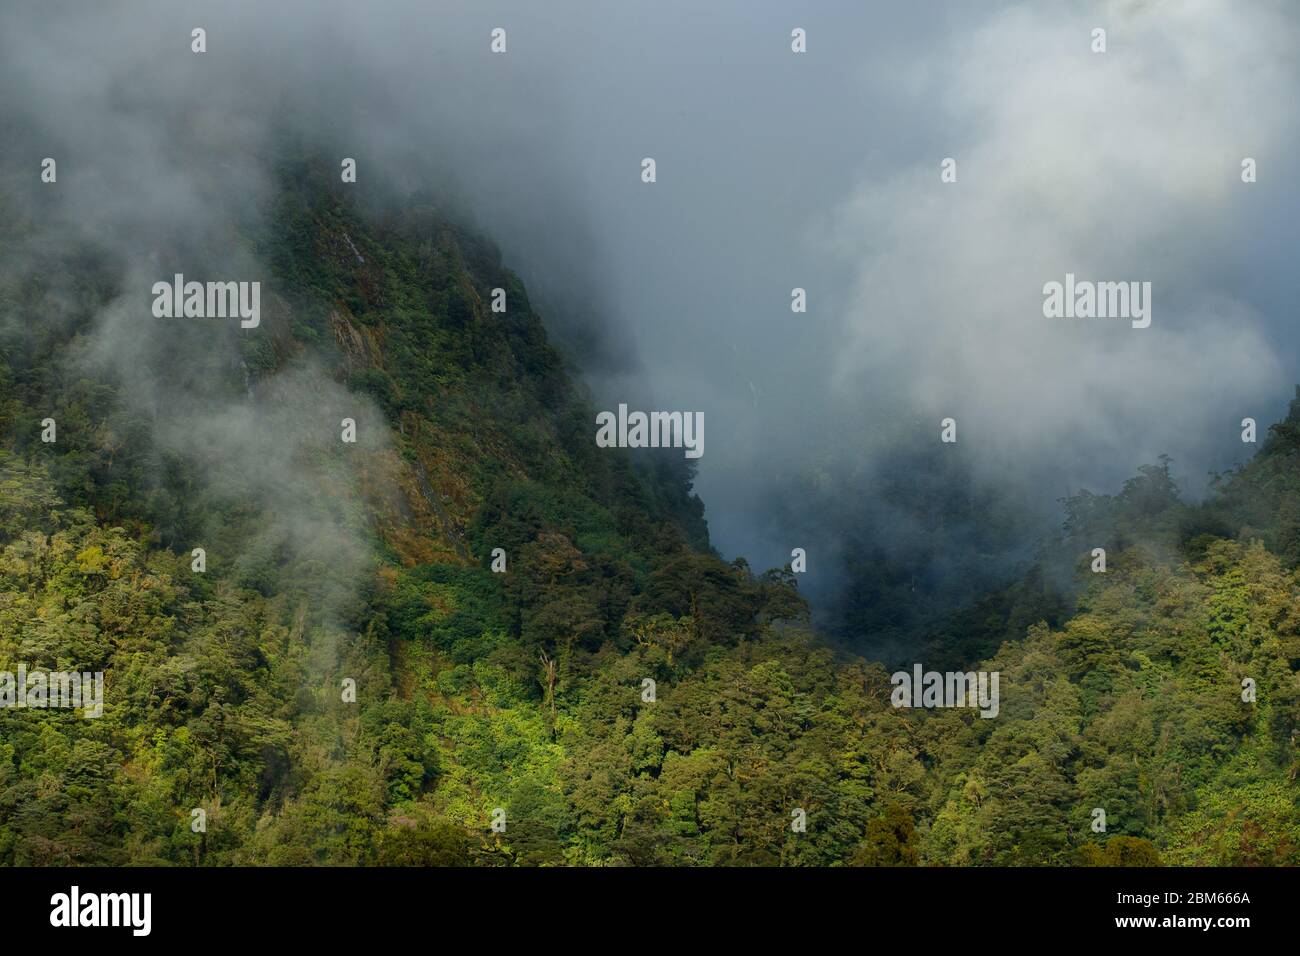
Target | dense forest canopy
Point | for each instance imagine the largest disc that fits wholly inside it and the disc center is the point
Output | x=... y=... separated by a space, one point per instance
x=521 y=697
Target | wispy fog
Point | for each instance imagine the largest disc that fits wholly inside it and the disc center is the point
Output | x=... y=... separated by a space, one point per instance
x=775 y=170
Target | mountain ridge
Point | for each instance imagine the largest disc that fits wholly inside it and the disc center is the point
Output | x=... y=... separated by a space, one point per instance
x=523 y=692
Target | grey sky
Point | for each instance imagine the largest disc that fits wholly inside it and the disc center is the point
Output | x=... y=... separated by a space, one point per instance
x=775 y=170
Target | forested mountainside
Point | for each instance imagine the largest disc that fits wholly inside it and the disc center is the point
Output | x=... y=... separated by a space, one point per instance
x=520 y=696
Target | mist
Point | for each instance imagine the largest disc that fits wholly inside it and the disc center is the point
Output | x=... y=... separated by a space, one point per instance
x=775 y=171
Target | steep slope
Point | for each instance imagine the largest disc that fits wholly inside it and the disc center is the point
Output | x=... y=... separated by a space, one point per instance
x=521 y=696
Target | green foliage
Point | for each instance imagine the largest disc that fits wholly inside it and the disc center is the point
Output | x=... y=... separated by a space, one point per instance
x=524 y=692
x=1120 y=851
x=891 y=840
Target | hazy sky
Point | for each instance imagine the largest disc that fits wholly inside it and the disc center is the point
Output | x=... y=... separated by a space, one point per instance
x=775 y=170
